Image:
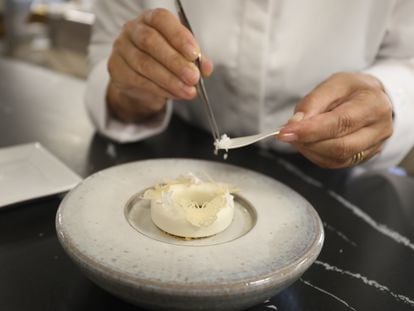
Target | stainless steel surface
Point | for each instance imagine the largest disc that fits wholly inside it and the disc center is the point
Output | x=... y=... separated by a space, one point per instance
x=200 y=86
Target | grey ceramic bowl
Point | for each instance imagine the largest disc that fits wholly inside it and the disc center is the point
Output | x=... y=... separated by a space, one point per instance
x=105 y=227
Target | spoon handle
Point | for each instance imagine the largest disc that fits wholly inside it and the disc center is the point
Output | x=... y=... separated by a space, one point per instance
x=248 y=140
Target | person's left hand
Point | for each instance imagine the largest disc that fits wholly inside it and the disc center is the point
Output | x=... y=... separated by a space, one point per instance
x=345 y=115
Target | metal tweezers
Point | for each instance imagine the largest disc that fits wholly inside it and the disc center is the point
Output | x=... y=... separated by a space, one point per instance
x=200 y=85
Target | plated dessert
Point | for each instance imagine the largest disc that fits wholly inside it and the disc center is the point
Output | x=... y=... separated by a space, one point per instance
x=190 y=207
x=114 y=235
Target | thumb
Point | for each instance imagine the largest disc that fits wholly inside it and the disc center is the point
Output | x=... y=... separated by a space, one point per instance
x=325 y=97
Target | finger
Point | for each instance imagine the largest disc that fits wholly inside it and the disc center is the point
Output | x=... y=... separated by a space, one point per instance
x=125 y=78
x=207 y=66
x=150 y=41
x=344 y=147
x=331 y=163
x=334 y=91
x=340 y=150
x=148 y=67
x=363 y=109
x=325 y=96
x=173 y=31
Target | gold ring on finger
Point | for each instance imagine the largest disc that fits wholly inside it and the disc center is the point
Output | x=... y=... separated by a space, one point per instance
x=357 y=158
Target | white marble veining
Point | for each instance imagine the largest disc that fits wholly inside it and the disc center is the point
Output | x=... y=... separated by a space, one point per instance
x=340 y=234
x=394 y=235
x=366 y=281
x=328 y=293
x=359 y=213
x=381 y=228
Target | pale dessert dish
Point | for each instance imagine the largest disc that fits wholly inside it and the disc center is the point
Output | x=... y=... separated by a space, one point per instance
x=191 y=208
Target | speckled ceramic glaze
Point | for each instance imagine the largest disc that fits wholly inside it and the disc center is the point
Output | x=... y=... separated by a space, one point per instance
x=103 y=225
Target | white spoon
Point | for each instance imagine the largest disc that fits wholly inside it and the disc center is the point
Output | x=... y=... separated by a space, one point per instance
x=226 y=142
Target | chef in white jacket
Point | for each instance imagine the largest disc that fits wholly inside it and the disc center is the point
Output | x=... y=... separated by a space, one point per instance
x=341 y=72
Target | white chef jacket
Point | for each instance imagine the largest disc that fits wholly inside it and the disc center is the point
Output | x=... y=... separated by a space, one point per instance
x=268 y=54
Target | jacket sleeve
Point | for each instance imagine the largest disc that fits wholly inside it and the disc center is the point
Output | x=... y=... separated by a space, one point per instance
x=394 y=67
x=110 y=16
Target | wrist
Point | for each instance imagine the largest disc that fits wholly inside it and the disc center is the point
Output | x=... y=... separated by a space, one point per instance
x=129 y=109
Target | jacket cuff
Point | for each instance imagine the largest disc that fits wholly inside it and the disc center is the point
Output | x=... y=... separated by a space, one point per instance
x=106 y=124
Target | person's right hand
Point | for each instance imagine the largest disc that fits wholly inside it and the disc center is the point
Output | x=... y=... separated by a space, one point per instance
x=152 y=60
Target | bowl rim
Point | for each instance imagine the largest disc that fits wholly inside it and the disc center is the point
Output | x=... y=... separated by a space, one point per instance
x=291 y=271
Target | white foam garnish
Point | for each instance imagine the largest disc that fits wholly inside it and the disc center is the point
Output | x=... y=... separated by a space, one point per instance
x=190 y=207
x=224 y=142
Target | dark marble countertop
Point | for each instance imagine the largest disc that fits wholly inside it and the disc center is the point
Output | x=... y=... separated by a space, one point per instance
x=367 y=262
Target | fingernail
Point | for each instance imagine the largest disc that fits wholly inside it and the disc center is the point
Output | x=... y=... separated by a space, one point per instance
x=190 y=75
x=288 y=137
x=207 y=66
x=298 y=116
x=189 y=90
x=190 y=51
